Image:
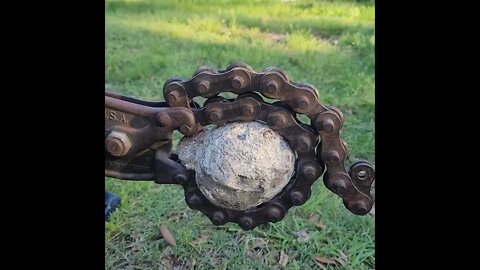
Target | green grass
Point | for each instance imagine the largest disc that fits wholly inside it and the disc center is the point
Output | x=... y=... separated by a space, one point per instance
x=329 y=44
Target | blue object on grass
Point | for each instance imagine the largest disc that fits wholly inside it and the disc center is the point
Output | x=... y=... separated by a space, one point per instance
x=111 y=202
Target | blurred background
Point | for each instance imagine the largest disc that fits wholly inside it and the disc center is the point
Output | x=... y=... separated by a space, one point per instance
x=330 y=44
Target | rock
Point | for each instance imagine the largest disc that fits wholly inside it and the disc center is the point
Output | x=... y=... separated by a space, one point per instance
x=239 y=165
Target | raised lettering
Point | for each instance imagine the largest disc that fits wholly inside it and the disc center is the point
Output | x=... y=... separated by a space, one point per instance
x=113 y=116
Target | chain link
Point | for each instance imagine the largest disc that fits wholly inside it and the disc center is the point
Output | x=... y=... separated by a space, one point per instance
x=317 y=145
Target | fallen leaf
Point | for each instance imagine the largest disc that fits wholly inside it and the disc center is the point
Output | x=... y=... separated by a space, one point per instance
x=259 y=242
x=313 y=217
x=201 y=240
x=302 y=236
x=283 y=260
x=340 y=261
x=320 y=226
x=343 y=256
x=320 y=265
x=325 y=260
x=167 y=235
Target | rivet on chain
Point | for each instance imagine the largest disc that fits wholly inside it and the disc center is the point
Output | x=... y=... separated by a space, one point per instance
x=194 y=200
x=173 y=97
x=297 y=198
x=213 y=115
x=238 y=82
x=328 y=125
x=247 y=110
x=339 y=186
x=246 y=223
x=277 y=120
x=274 y=214
x=272 y=87
x=309 y=172
x=302 y=103
x=218 y=218
x=362 y=175
x=360 y=207
x=303 y=143
x=180 y=178
x=332 y=156
x=203 y=86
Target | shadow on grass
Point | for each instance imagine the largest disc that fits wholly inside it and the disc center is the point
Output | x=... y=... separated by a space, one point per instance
x=137 y=6
x=333 y=72
x=143 y=59
x=321 y=26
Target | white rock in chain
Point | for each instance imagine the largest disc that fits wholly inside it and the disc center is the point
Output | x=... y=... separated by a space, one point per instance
x=239 y=165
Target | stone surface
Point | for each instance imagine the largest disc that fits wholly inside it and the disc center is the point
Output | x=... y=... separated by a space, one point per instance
x=239 y=165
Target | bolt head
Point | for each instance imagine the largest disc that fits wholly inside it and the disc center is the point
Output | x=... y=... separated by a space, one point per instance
x=117 y=143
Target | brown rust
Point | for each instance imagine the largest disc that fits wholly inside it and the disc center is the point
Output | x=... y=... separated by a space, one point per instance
x=319 y=148
x=135 y=131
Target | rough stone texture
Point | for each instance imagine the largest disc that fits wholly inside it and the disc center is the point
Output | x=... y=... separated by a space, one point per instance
x=239 y=165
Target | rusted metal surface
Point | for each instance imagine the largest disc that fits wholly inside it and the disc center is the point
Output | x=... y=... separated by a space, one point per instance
x=149 y=127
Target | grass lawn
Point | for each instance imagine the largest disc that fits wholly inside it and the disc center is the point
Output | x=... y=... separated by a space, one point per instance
x=330 y=44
